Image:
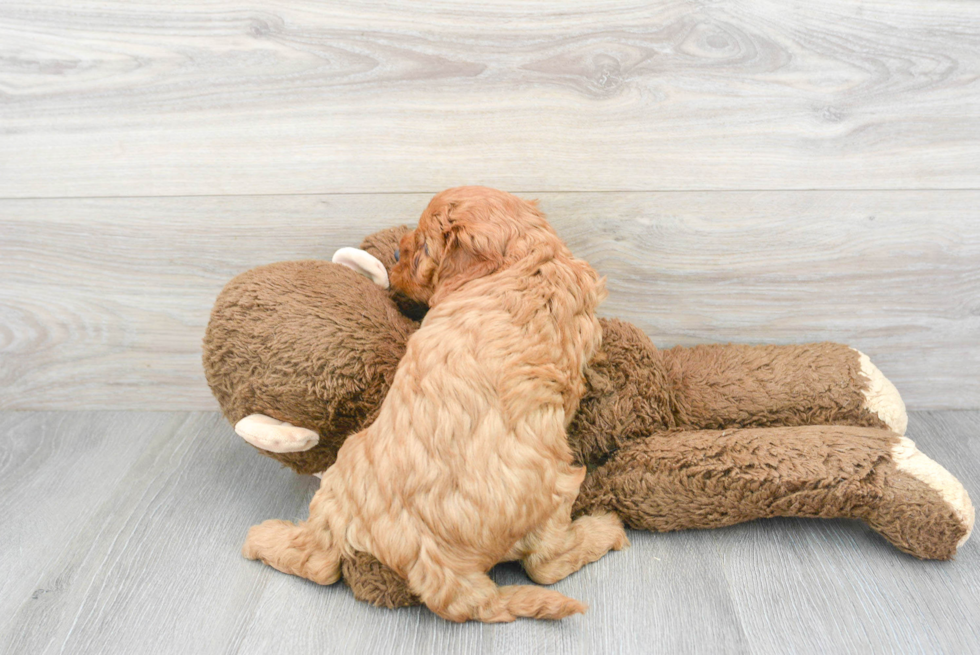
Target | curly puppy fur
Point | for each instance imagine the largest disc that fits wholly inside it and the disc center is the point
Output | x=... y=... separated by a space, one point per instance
x=468 y=463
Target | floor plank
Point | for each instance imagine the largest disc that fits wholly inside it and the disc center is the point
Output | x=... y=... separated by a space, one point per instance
x=631 y=597
x=55 y=470
x=844 y=589
x=153 y=566
x=149 y=98
x=103 y=302
x=128 y=542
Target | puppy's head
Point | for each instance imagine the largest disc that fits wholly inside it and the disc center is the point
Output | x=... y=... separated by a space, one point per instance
x=465 y=233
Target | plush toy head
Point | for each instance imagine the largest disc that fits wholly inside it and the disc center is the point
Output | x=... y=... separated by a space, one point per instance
x=311 y=343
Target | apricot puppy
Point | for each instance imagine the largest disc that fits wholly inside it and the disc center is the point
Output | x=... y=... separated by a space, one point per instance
x=467 y=463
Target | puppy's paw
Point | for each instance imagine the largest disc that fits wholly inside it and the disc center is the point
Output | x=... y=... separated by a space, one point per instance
x=251 y=547
x=267 y=433
x=610 y=526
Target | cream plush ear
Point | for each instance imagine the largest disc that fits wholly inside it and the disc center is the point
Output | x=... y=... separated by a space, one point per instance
x=275 y=436
x=364 y=263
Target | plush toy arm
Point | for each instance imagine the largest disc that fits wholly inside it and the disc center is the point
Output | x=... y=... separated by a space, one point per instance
x=708 y=479
x=721 y=386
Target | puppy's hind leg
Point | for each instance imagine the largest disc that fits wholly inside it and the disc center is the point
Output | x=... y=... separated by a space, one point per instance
x=295 y=549
x=463 y=596
x=561 y=546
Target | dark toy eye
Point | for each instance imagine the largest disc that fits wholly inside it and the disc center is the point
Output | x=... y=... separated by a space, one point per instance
x=397 y=255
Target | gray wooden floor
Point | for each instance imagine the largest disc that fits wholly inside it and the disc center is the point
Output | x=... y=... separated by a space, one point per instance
x=120 y=534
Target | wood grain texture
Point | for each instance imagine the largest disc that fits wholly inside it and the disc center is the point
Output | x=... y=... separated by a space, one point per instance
x=55 y=471
x=103 y=302
x=840 y=586
x=153 y=98
x=130 y=543
x=150 y=564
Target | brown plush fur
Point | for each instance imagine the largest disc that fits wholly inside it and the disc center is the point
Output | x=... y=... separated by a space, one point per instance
x=330 y=372
x=467 y=463
x=633 y=391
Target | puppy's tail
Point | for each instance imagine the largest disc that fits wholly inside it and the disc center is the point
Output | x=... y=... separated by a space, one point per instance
x=474 y=596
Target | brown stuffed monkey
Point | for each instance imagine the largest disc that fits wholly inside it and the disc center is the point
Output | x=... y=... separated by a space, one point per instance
x=301 y=354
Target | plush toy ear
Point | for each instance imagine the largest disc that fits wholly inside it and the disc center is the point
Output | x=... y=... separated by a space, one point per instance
x=275 y=436
x=364 y=263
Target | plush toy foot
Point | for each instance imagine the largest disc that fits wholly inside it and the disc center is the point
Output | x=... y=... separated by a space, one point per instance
x=266 y=433
x=881 y=396
x=923 y=509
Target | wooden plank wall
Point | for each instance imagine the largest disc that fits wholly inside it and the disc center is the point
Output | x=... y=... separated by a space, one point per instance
x=741 y=171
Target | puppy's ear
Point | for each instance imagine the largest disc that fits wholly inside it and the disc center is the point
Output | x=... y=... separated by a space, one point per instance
x=471 y=249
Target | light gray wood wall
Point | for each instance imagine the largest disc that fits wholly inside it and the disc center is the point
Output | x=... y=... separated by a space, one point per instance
x=741 y=171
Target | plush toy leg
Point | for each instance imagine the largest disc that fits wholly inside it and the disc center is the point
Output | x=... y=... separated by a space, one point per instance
x=708 y=479
x=267 y=433
x=722 y=386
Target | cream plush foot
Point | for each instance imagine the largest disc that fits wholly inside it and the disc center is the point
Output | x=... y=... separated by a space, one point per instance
x=882 y=398
x=910 y=460
x=267 y=433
